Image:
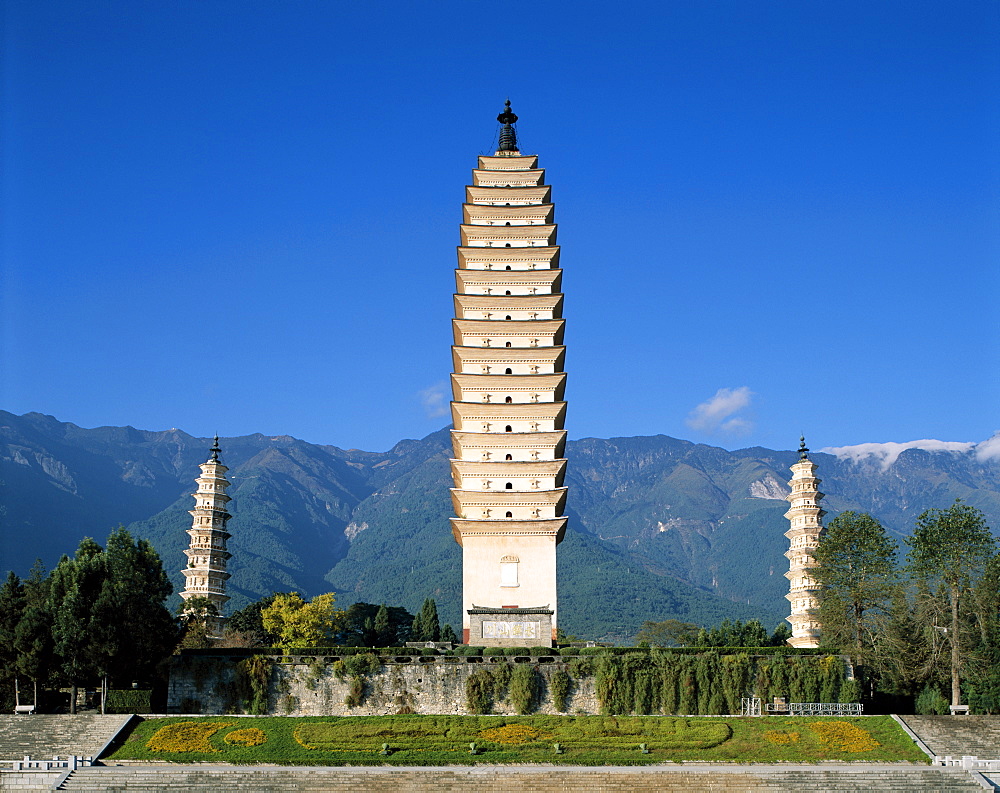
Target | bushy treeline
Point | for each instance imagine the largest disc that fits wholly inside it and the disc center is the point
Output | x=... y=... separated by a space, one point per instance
x=667 y=682
x=925 y=625
x=359 y=625
x=96 y=617
x=709 y=684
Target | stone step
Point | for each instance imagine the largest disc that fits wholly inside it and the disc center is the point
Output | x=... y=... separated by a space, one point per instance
x=538 y=779
x=43 y=736
x=958 y=735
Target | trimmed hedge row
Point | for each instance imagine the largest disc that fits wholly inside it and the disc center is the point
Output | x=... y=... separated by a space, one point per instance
x=467 y=650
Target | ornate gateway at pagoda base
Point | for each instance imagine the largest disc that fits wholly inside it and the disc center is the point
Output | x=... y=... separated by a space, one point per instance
x=510 y=627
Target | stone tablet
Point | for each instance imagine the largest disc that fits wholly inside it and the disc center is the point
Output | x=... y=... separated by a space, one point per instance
x=494 y=629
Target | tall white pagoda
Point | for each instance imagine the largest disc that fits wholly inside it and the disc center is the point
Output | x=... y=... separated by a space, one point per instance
x=508 y=409
x=205 y=574
x=805 y=519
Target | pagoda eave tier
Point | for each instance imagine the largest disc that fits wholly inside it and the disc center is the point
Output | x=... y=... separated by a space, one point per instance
x=522 y=327
x=549 y=527
x=477 y=257
x=504 y=441
x=518 y=177
x=553 y=356
x=509 y=468
x=517 y=162
x=209 y=530
x=505 y=499
x=509 y=382
x=526 y=236
x=466 y=411
x=501 y=303
x=483 y=214
x=514 y=282
x=508 y=196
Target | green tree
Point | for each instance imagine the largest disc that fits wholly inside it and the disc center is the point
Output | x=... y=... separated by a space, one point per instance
x=856 y=564
x=33 y=634
x=248 y=625
x=448 y=635
x=299 y=624
x=381 y=627
x=76 y=584
x=733 y=633
x=426 y=626
x=12 y=605
x=198 y=616
x=952 y=546
x=669 y=633
x=779 y=638
x=133 y=603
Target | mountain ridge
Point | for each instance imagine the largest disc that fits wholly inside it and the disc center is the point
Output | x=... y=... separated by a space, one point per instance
x=659 y=527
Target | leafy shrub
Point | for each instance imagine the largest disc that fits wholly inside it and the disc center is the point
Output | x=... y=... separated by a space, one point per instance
x=479 y=691
x=128 y=700
x=931 y=702
x=253 y=676
x=850 y=691
x=581 y=668
x=362 y=664
x=508 y=651
x=542 y=651
x=559 y=685
x=501 y=679
x=524 y=687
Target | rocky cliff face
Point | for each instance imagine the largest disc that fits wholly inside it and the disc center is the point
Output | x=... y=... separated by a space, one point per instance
x=659 y=527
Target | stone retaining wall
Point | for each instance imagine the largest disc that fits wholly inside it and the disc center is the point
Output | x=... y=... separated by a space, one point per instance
x=307 y=686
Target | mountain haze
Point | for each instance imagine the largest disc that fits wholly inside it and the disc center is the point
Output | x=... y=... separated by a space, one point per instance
x=659 y=527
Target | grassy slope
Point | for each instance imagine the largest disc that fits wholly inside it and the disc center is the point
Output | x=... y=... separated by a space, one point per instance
x=587 y=740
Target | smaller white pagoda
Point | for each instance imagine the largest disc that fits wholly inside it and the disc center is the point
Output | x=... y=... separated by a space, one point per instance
x=805 y=518
x=205 y=574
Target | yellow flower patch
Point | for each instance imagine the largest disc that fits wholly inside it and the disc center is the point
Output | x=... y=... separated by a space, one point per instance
x=186 y=736
x=844 y=736
x=781 y=737
x=248 y=736
x=513 y=734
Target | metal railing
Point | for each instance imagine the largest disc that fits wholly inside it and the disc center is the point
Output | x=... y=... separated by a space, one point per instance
x=816 y=708
x=968 y=762
x=69 y=763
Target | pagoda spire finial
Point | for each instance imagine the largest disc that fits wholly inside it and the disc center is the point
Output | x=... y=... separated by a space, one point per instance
x=215 y=450
x=803 y=451
x=508 y=135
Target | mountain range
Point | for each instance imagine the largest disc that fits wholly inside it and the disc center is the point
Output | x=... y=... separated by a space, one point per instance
x=659 y=527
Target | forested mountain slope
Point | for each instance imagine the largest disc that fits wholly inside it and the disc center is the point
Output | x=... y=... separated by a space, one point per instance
x=659 y=527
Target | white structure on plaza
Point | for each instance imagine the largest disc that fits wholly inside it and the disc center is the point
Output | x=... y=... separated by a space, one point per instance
x=805 y=519
x=205 y=574
x=508 y=409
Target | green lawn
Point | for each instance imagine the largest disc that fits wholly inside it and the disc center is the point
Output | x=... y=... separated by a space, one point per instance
x=585 y=740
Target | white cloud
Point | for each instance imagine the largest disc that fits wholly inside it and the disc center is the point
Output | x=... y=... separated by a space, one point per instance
x=434 y=400
x=718 y=413
x=886 y=453
x=989 y=449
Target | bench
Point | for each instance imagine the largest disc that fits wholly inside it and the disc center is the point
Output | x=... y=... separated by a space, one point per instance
x=26 y=709
x=959 y=710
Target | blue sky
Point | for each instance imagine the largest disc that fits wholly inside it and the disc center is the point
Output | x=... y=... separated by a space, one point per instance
x=241 y=216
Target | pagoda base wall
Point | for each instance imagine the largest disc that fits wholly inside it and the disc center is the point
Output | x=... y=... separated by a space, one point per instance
x=305 y=686
x=506 y=628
